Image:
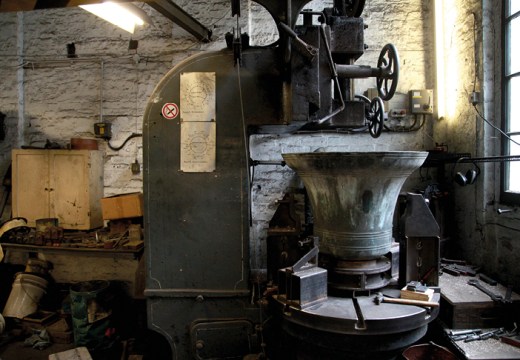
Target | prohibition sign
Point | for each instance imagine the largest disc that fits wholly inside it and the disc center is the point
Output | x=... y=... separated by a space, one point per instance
x=170 y=111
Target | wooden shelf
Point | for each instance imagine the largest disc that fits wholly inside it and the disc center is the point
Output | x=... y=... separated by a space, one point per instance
x=36 y=248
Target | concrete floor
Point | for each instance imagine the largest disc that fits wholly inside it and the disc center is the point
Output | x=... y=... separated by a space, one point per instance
x=128 y=318
x=17 y=351
x=142 y=344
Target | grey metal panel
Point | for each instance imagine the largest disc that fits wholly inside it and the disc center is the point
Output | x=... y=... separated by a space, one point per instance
x=174 y=318
x=196 y=221
x=196 y=224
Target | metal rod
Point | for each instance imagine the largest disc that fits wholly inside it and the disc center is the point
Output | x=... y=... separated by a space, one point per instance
x=267 y=162
x=502 y=158
x=357 y=71
x=502 y=211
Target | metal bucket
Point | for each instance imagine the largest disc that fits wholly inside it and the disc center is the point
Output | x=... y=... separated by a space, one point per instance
x=25 y=295
x=353 y=197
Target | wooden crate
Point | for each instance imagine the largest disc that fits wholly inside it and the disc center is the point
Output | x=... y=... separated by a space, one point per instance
x=465 y=307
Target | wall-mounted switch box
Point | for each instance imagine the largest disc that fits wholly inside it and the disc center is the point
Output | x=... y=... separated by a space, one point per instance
x=421 y=101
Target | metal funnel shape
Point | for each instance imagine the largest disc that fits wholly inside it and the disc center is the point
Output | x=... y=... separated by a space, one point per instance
x=353 y=197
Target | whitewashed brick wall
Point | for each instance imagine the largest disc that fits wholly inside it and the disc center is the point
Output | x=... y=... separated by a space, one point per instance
x=62 y=98
x=54 y=99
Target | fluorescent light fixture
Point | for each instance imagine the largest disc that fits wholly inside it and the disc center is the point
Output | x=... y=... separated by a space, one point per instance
x=439 y=58
x=124 y=15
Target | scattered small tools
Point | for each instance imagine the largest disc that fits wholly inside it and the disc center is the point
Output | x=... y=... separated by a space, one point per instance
x=453 y=261
x=457 y=335
x=487 y=279
x=485 y=335
x=457 y=270
x=469 y=335
x=457 y=267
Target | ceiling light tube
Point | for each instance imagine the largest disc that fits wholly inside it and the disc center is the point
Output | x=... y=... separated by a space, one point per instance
x=124 y=15
x=439 y=58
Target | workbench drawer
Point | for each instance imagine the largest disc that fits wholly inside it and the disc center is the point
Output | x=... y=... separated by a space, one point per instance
x=470 y=315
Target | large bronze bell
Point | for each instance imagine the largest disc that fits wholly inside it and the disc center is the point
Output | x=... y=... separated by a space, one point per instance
x=353 y=197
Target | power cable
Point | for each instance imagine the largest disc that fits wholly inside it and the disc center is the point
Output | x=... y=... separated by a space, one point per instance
x=133 y=135
x=494 y=127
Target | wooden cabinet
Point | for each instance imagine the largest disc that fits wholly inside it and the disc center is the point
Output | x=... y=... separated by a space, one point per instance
x=63 y=184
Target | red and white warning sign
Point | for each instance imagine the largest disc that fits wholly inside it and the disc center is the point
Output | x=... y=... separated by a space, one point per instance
x=170 y=111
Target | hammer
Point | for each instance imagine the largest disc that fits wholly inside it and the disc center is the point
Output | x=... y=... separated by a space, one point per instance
x=380 y=298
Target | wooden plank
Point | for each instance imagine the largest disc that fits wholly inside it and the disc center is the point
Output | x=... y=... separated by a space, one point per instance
x=455 y=290
x=490 y=349
x=78 y=266
x=79 y=353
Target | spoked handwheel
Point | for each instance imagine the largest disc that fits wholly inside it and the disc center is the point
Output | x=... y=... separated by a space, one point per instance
x=376 y=117
x=388 y=63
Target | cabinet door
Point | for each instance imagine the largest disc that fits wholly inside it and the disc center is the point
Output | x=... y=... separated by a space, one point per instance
x=30 y=185
x=69 y=184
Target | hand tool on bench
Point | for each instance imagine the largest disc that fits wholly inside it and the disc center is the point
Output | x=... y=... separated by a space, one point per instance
x=491 y=294
x=380 y=298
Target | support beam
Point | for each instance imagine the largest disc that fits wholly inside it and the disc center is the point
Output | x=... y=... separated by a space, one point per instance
x=166 y=7
x=181 y=18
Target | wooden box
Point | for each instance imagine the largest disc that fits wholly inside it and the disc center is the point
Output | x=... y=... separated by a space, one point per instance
x=465 y=307
x=122 y=206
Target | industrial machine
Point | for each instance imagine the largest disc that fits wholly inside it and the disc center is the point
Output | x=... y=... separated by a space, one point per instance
x=320 y=296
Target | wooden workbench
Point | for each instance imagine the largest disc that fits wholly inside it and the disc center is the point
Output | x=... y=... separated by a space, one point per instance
x=71 y=265
x=465 y=307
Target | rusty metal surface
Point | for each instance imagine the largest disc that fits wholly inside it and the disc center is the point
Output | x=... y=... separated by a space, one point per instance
x=339 y=315
x=331 y=328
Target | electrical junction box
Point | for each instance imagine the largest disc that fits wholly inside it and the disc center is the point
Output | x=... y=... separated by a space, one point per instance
x=103 y=130
x=397 y=113
x=421 y=101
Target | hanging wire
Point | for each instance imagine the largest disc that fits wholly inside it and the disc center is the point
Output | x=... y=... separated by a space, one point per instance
x=410 y=128
x=117 y=148
x=494 y=127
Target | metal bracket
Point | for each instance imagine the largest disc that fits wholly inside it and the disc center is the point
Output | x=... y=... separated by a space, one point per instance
x=312 y=254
